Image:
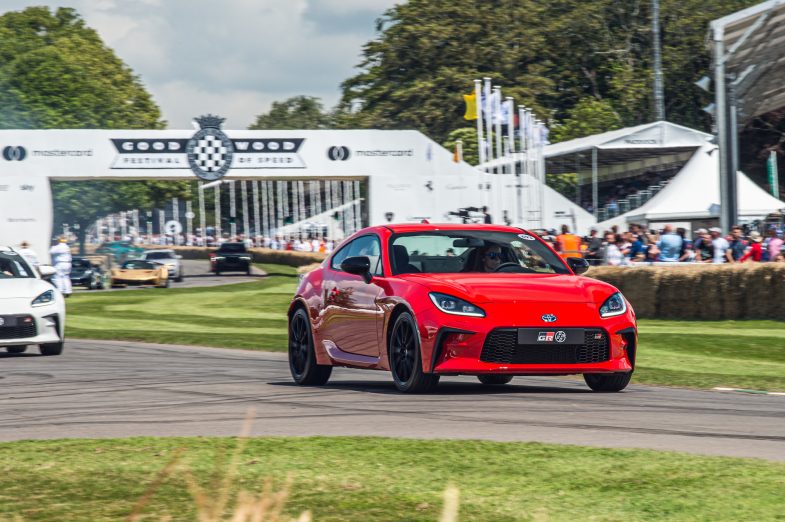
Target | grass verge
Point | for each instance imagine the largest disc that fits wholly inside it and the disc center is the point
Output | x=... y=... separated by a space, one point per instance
x=370 y=479
x=699 y=354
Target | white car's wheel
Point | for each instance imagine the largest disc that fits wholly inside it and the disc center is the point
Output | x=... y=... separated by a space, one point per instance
x=51 y=348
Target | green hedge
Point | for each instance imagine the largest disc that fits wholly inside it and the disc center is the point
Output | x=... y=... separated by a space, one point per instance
x=704 y=292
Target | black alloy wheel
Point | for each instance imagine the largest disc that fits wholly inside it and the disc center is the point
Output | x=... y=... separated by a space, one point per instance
x=302 y=358
x=405 y=361
x=607 y=382
x=494 y=379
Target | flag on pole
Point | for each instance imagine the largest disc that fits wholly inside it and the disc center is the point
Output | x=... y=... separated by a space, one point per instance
x=471 y=106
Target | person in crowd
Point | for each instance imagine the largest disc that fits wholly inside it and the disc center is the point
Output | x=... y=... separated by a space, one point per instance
x=736 y=246
x=687 y=254
x=637 y=250
x=28 y=254
x=593 y=247
x=612 y=254
x=490 y=258
x=61 y=259
x=653 y=251
x=755 y=251
x=704 y=250
x=719 y=245
x=670 y=245
x=774 y=244
x=568 y=245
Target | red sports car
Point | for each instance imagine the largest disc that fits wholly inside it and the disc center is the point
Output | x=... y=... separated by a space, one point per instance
x=426 y=300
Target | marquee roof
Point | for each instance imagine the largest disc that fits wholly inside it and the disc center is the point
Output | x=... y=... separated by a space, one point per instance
x=754 y=42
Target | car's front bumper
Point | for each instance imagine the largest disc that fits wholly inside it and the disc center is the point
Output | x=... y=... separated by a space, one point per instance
x=454 y=344
x=45 y=324
x=135 y=282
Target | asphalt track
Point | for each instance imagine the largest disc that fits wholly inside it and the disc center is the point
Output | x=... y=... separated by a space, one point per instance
x=118 y=389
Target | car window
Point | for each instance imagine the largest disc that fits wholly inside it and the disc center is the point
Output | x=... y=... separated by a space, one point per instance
x=368 y=246
x=138 y=265
x=13 y=266
x=159 y=255
x=81 y=263
x=232 y=248
x=472 y=251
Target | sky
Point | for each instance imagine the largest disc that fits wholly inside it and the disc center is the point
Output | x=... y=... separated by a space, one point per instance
x=231 y=57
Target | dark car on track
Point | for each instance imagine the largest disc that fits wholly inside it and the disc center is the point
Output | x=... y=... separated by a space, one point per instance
x=231 y=257
x=85 y=273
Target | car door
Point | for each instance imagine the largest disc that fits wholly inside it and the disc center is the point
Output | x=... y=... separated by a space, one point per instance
x=351 y=311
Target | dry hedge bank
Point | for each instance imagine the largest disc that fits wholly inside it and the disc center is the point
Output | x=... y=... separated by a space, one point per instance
x=703 y=292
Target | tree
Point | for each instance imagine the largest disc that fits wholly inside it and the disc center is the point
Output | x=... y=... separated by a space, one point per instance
x=547 y=55
x=469 y=138
x=297 y=112
x=589 y=116
x=56 y=73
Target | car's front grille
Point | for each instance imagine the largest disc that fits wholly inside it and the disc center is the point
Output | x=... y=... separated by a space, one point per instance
x=501 y=346
x=18 y=327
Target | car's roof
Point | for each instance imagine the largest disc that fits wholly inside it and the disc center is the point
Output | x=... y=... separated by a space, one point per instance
x=424 y=227
x=4 y=248
x=158 y=251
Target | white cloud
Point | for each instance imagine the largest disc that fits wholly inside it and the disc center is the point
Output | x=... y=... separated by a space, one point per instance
x=235 y=59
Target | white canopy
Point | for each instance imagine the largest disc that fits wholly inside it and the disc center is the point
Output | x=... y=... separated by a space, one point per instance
x=694 y=194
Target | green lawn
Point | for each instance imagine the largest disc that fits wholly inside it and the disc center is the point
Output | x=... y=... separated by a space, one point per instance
x=369 y=479
x=738 y=354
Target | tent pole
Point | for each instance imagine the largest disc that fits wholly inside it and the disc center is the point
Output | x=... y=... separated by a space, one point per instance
x=722 y=129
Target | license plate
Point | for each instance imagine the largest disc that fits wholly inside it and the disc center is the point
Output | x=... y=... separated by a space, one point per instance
x=550 y=336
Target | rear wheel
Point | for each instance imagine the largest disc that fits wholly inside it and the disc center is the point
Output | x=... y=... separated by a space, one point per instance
x=405 y=360
x=607 y=382
x=16 y=349
x=302 y=358
x=51 y=348
x=494 y=379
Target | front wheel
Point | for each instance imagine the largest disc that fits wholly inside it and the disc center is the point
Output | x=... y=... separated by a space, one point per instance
x=607 y=382
x=51 y=348
x=494 y=379
x=405 y=359
x=302 y=357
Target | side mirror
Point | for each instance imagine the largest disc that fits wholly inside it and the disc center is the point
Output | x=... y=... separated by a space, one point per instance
x=46 y=271
x=358 y=265
x=578 y=265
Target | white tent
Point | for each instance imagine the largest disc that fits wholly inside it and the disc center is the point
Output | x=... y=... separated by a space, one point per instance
x=694 y=194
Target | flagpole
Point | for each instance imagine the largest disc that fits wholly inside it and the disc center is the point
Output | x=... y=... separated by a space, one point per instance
x=519 y=184
x=478 y=110
x=497 y=114
x=487 y=142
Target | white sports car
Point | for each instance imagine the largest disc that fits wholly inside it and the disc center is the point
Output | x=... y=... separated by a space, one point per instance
x=32 y=311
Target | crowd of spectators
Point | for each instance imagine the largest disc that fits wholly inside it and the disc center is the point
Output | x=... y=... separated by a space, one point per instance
x=639 y=244
x=613 y=191
x=301 y=243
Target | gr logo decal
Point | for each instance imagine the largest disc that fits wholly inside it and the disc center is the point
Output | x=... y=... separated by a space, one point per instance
x=338 y=153
x=549 y=337
x=560 y=337
x=14 y=153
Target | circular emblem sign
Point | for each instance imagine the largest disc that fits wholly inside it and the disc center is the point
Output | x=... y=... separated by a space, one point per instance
x=210 y=153
x=560 y=336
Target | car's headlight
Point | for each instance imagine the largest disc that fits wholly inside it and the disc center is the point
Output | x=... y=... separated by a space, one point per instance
x=452 y=305
x=614 y=305
x=45 y=298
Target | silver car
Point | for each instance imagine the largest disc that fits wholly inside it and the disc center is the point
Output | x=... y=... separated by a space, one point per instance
x=168 y=258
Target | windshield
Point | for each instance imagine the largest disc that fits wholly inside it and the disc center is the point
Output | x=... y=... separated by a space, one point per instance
x=232 y=248
x=454 y=251
x=138 y=265
x=13 y=266
x=81 y=263
x=159 y=255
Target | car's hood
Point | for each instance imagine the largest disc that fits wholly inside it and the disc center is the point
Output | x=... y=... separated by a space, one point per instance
x=27 y=287
x=485 y=288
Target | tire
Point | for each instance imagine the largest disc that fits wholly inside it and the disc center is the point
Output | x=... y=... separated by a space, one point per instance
x=179 y=278
x=51 y=348
x=608 y=382
x=16 y=349
x=405 y=358
x=302 y=358
x=494 y=379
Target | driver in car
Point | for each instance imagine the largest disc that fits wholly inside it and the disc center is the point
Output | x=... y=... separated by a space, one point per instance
x=490 y=258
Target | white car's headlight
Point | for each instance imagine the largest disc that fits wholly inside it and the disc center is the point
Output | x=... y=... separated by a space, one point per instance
x=614 y=305
x=452 y=305
x=45 y=298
